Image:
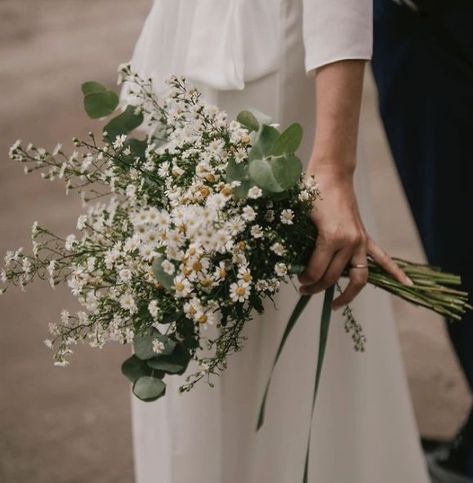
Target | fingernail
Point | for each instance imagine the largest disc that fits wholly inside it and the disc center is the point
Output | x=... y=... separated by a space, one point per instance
x=409 y=282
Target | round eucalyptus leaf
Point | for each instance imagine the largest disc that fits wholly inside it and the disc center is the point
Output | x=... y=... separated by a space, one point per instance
x=262 y=175
x=175 y=363
x=248 y=119
x=287 y=170
x=133 y=368
x=267 y=136
x=137 y=146
x=123 y=123
x=241 y=191
x=236 y=171
x=289 y=140
x=100 y=104
x=92 y=86
x=143 y=345
x=148 y=388
x=162 y=277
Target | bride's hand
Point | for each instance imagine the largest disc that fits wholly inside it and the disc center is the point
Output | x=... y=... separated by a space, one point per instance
x=342 y=240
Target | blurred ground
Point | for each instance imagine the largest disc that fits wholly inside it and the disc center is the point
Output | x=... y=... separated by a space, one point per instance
x=72 y=425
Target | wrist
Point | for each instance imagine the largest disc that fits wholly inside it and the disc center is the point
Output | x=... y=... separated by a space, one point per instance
x=333 y=168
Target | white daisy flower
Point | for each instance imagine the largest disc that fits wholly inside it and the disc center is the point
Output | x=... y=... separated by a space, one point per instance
x=182 y=286
x=239 y=292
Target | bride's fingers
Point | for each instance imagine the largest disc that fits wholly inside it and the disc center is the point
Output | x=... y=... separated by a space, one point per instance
x=386 y=262
x=358 y=279
x=318 y=263
x=334 y=271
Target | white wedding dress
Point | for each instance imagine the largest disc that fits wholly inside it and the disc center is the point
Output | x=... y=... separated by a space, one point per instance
x=244 y=53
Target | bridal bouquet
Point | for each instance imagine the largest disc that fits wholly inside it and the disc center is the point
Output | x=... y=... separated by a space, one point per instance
x=191 y=227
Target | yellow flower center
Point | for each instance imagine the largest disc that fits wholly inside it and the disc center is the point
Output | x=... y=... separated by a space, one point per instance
x=240 y=291
x=202 y=319
x=197 y=266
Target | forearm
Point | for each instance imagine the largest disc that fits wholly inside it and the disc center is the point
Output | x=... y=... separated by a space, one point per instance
x=338 y=99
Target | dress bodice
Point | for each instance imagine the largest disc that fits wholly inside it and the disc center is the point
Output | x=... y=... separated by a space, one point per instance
x=225 y=43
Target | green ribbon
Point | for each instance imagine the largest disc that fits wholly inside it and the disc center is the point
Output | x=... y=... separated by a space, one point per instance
x=298 y=309
x=324 y=330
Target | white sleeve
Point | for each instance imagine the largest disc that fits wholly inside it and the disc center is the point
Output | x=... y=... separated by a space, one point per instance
x=337 y=30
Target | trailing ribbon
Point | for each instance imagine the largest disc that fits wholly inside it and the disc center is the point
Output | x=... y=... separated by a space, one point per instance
x=324 y=330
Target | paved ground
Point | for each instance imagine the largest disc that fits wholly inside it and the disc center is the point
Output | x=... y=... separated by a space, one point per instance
x=72 y=426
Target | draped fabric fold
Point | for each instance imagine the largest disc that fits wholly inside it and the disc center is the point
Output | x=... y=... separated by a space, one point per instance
x=221 y=43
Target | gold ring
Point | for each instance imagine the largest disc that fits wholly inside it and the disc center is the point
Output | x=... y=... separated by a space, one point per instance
x=359 y=266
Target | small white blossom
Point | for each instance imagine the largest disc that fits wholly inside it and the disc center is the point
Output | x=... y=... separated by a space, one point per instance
x=153 y=308
x=119 y=141
x=255 y=192
x=158 y=346
x=287 y=217
x=256 y=231
x=125 y=275
x=127 y=302
x=280 y=269
x=70 y=242
x=278 y=249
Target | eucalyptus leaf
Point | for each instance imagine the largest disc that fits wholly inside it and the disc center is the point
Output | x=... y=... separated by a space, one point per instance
x=248 y=120
x=287 y=170
x=267 y=137
x=175 y=363
x=241 y=191
x=143 y=345
x=92 y=86
x=289 y=140
x=236 y=171
x=162 y=277
x=123 y=123
x=262 y=174
x=148 y=388
x=133 y=368
x=100 y=104
x=137 y=146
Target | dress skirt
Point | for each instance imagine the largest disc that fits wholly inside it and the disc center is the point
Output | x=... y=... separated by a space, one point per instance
x=363 y=430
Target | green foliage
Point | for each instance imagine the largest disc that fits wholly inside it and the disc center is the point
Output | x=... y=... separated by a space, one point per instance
x=262 y=174
x=266 y=139
x=248 y=119
x=137 y=146
x=123 y=123
x=162 y=277
x=98 y=100
x=133 y=368
x=287 y=170
x=175 y=363
x=239 y=172
x=149 y=388
x=143 y=345
x=289 y=140
x=92 y=87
